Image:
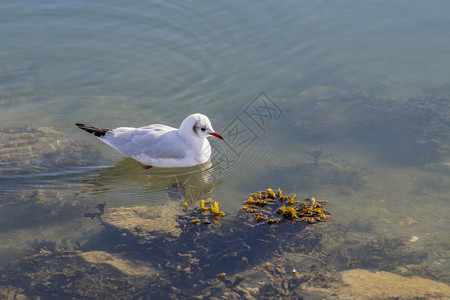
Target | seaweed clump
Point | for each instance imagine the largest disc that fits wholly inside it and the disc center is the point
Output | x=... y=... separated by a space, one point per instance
x=273 y=207
x=206 y=213
x=228 y=282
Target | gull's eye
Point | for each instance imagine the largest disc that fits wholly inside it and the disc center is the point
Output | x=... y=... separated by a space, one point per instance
x=203 y=128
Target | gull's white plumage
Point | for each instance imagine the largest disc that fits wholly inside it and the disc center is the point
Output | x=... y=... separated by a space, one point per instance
x=161 y=145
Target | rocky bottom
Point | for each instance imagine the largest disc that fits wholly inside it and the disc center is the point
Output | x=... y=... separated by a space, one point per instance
x=236 y=259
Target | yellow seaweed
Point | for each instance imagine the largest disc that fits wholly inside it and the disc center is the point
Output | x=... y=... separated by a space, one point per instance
x=310 y=210
x=270 y=193
x=215 y=208
x=280 y=193
x=202 y=205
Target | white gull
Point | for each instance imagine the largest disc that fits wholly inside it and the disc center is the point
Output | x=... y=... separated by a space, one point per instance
x=161 y=145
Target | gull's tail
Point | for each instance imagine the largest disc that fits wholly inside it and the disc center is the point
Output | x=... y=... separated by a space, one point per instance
x=98 y=132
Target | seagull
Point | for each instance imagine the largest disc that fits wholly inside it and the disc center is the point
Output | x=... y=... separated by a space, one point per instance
x=158 y=145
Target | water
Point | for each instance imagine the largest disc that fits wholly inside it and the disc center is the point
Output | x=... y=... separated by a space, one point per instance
x=359 y=113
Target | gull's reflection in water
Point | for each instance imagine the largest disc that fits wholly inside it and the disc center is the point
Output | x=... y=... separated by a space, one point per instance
x=128 y=179
x=192 y=184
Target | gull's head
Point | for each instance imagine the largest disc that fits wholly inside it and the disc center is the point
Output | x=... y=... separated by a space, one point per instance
x=197 y=125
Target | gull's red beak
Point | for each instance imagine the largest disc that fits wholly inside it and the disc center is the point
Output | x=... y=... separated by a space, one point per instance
x=216 y=135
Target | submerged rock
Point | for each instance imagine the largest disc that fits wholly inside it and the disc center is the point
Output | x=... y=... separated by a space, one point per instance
x=319 y=284
x=307 y=267
x=38 y=215
x=32 y=211
x=363 y=284
x=144 y=222
x=411 y=132
x=75 y=274
x=31 y=149
x=236 y=259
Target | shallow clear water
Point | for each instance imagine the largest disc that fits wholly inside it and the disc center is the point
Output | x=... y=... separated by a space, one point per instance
x=364 y=83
